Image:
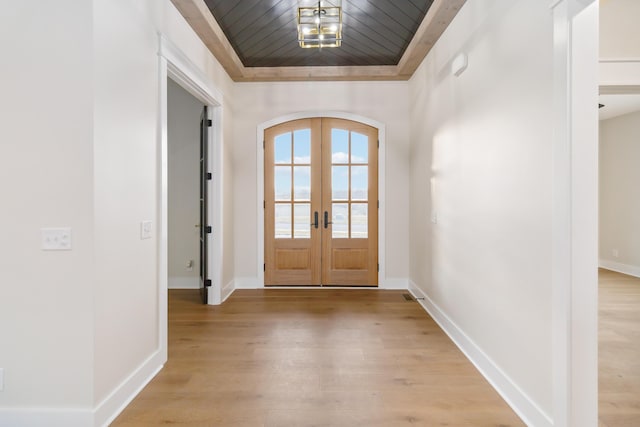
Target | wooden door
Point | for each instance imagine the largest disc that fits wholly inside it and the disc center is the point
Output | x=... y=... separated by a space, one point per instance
x=349 y=203
x=321 y=195
x=292 y=203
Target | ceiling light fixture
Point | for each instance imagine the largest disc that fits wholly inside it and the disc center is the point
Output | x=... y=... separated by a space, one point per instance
x=320 y=26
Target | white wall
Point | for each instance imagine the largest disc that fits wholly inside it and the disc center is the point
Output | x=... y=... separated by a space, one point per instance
x=619 y=196
x=125 y=153
x=619 y=227
x=386 y=102
x=79 y=148
x=481 y=168
x=126 y=190
x=183 y=116
x=46 y=320
x=619 y=30
x=619 y=46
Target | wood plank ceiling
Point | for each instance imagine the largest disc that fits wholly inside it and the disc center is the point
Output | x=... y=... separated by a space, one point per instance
x=263 y=33
x=256 y=40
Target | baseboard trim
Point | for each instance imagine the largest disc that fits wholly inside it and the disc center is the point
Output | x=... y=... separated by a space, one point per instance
x=227 y=290
x=630 y=270
x=46 y=417
x=184 y=282
x=253 y=283
x=247 y=283
x=523 y=406
x=395 y=283
x=117 y=401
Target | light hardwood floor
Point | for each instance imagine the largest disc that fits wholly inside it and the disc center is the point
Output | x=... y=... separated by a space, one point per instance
x=312 y=358
x=619 y=350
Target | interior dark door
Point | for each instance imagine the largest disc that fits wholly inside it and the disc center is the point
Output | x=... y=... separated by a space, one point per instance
x=205 y=229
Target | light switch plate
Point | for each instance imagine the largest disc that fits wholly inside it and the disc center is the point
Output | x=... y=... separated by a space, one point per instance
x=145 y=230
x=1 y=379
x=56 y=239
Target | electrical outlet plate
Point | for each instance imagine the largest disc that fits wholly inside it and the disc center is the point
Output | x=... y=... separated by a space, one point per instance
x=56 y=239
x=145 y=230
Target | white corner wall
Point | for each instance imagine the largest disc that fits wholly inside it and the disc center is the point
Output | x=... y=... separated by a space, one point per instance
x=183 y=128
x=127 y=179
x=46 y=320
x=619 y=197
x=125 y=157
x=480 y=211
x=80 y=148
x=385 y=102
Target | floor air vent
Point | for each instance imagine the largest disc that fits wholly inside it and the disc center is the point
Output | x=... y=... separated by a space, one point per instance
x=408 y=297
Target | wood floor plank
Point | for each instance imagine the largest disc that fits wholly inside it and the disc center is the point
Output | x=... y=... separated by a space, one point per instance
x=330 y=357
x=619 y=350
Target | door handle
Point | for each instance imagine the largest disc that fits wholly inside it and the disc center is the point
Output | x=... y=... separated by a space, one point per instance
x=315 y=219
x=326 y=219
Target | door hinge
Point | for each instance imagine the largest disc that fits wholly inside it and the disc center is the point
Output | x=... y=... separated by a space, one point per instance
x=378 y=143
x=208 y=229
x=209 y=123
x=378 y=204
x=263 y=144
x=209 y=176
x=264 y=204
x=378 y=268
x=207 y=282
x=264 y=267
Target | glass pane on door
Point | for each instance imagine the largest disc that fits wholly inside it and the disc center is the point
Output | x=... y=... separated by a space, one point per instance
x=301 y=183
x=340 y=182
x=359 y=183
x=282 y=183
x=302 y=221
x=282 y=148
x=339 y=146
x=359 y=221
x=302 y=146
x=359 y=148
x=340 y=220
x=283 y=220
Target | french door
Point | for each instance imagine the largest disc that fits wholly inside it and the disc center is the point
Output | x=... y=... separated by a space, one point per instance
x=321 y=203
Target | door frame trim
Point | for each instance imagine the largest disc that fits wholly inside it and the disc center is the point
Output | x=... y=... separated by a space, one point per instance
x=174 y=64
x=574 y=274
x=382 y=282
